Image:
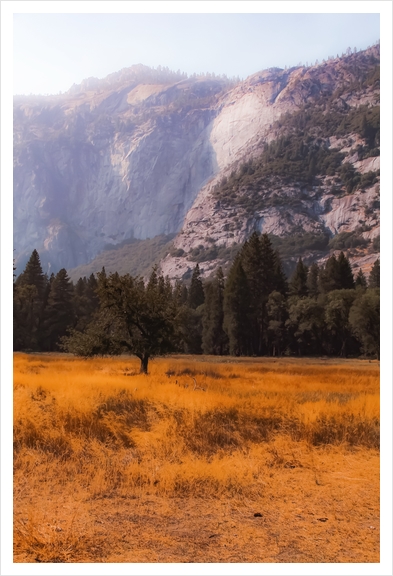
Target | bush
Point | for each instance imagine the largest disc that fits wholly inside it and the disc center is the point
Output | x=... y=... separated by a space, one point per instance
x=345 y=240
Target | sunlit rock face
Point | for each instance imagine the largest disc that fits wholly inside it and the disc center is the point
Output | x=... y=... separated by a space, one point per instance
x=137 y=154
x=93 y=171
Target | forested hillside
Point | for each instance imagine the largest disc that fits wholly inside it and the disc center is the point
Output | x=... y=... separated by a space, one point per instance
x=311 y=182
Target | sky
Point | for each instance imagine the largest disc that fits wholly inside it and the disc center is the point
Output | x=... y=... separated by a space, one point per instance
x=53 y=51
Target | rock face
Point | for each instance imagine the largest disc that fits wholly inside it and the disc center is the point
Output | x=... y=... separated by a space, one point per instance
x=137 y=154
x=92 y=176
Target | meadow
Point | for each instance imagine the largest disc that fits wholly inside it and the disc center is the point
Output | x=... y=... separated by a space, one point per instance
x=204 y=459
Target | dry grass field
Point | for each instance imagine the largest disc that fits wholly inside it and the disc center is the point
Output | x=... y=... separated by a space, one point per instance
x=203 y=460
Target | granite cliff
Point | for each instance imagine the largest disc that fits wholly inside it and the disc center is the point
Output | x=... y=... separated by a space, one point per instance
x=148 y=152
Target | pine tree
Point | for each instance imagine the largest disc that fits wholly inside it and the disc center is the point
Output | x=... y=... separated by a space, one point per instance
x=345 y=273
x=214 y=339
x=59 y=312
x=360 y=281
x=277 y=315
x=271 y=267
x=85 y=301
x=312 y=280
x=263 y=270
x=196 y=295
x=374 y=278
x=329 y=276
x=33 y=274
x=29 y=302
x=180 y=293
x=152 y=285
x=26 y=317
x=337 y=307
x=280 y=281
x=80 y=303
x=237 y=309
x=91 y=294
x=298 y=284
x=253 y=266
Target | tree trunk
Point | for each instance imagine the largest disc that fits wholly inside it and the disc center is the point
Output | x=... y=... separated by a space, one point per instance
x=144 y=362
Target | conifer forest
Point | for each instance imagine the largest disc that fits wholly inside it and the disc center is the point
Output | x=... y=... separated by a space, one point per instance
x=254 y=311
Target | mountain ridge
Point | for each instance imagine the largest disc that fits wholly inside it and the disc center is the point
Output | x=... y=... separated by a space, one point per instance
x=97 y=168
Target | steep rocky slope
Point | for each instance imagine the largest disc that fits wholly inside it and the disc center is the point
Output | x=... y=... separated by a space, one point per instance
x=144 y=152
x=99 y=165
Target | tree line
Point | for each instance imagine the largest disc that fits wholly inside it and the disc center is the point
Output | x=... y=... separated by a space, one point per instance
x=254 y=311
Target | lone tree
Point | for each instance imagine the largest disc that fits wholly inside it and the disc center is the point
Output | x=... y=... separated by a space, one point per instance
x=132 y=317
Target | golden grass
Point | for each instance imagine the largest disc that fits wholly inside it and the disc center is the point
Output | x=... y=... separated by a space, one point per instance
x=196 y=429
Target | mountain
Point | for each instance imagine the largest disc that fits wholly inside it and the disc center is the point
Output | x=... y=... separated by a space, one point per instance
x=146 y=153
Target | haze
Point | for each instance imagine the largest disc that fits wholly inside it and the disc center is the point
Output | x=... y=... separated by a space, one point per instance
x=54 y=51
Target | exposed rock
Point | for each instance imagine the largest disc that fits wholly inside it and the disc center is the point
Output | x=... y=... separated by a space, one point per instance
x=138 y=153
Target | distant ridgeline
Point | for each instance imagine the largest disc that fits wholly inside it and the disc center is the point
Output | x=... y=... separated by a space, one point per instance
x=255 y=310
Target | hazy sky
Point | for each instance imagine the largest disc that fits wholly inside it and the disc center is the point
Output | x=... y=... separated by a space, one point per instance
x=53 y=51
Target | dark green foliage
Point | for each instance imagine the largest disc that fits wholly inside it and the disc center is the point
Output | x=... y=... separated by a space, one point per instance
x=312 y=280
x=146 y=314
x=85 y=301
x=277 y=315
x=136 y=319
x=190 y=326
x=214 y=339
x=280 y=279
x=298 y=284
x=297 y=244
x=249 y=314
x=103 y=336
x=347 y=240
x=329 y=276
x=30 y=293
x=369 y=128
x=306 y=325
x=360 y=281
x=180 y=293
x=374 y=278
x=330 y=120
x=27 y=316
x=244 y=189
x=259 y=264
x=202 y=254
x=368 y=179
x=302 y=153
x=377 y=244
x=336 y=275
x=349 y=177
x=59 y=311
x=345 y=272
x=337 y=308
x=364 y=321
x=288 y=158
x=33 y=275
x=237 y=309
x=196 y=295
